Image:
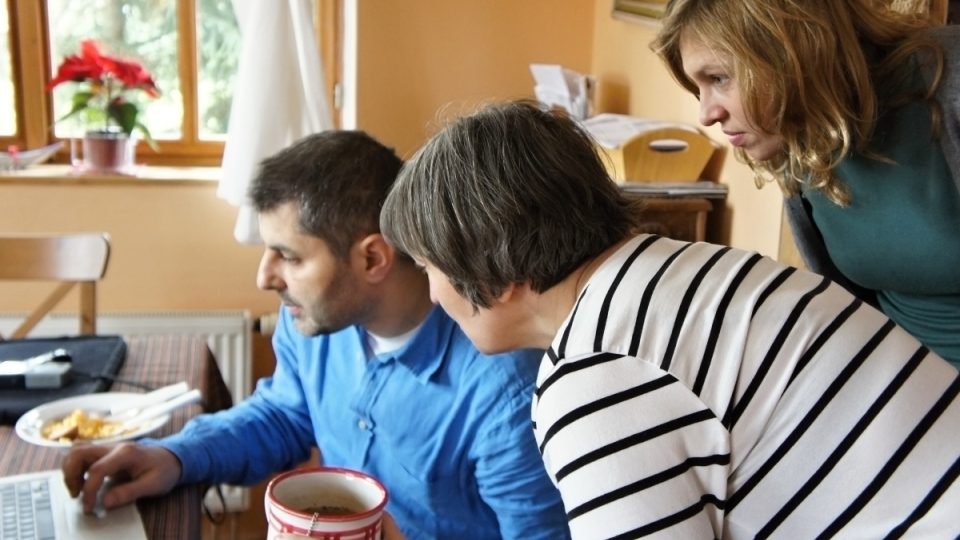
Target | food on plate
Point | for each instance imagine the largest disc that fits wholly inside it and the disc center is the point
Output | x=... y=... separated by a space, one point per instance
x=81 y=426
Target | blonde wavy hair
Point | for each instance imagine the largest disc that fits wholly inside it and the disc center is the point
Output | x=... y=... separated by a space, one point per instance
x=816 y=72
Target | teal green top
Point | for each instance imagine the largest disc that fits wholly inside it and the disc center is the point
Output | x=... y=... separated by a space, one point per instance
x=900 y=236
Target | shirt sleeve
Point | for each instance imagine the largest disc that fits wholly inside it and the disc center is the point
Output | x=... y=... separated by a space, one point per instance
x=269 y=431
x=509 y=470
x=633 y=451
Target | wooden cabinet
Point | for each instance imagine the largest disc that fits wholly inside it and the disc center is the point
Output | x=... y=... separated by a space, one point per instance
x=679 y=218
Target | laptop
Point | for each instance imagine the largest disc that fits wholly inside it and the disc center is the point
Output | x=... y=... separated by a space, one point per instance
x=38 y=506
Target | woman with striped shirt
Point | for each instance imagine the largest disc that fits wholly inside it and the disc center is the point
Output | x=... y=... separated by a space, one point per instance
x=688 y=390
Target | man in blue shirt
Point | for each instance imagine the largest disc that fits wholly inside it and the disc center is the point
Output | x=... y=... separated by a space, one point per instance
x=368 y=370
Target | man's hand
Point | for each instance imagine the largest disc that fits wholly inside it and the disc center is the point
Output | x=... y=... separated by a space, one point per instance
x=138 y=471
x=390 y=529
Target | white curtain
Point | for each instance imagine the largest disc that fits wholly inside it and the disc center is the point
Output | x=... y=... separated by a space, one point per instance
x=279 y=96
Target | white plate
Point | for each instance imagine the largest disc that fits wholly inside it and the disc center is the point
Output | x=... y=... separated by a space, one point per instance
x=29 y=425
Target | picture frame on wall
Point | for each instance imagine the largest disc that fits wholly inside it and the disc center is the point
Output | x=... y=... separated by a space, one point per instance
x=639 y=10
x=653 y=10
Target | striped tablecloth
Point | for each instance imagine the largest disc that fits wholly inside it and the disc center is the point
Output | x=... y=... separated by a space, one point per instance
x=153 y=361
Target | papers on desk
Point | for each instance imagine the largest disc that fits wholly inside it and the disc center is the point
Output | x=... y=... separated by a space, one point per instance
x=705 y=189
x=613 y=130
x=557 y=86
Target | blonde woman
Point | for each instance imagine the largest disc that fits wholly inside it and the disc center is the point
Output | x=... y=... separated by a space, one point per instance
x=853 y=109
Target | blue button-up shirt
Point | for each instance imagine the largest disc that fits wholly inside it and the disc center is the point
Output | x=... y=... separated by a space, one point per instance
x=445 y=428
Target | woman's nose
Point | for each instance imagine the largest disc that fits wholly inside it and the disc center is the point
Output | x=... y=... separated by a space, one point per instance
x=711 y=112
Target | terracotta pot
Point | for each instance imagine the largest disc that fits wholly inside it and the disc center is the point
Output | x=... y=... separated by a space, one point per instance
x=108 y=151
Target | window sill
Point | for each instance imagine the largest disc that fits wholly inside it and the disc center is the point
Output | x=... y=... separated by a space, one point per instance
x=143 y=175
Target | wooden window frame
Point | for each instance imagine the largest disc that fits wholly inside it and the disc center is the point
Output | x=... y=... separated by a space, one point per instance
x=30 y=66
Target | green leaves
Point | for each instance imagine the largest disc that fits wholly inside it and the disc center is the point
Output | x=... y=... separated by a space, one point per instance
x=79 y=102
x=124 y=114
x=147 y=137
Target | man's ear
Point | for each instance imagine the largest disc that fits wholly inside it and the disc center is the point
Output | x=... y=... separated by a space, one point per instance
x=373 y=256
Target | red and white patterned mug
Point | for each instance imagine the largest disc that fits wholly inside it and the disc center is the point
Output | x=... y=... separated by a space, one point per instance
x=325 y=502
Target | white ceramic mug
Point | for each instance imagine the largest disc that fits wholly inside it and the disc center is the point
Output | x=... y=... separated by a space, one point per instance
x=325 y=502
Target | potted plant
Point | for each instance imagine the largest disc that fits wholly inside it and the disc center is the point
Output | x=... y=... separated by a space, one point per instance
x=106 y=100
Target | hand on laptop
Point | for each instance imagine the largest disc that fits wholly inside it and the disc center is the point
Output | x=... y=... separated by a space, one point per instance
x=140 y=471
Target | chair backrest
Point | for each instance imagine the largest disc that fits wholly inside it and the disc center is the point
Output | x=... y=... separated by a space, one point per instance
x=662 y=154
x=72 y=259
x=667 y=155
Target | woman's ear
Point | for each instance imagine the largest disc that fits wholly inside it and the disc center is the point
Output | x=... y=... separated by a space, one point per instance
x=373 y=256
x=510 y=293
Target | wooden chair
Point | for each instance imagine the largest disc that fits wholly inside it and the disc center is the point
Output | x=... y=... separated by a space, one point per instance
x=72 y=259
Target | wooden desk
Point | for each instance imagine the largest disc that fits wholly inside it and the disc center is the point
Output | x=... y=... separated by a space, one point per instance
x=154 y=361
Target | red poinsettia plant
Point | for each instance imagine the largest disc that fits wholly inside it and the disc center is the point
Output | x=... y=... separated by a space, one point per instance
x=106 y=86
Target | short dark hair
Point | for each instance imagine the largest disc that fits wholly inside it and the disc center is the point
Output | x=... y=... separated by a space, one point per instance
x=511 y=194
x=338 y=180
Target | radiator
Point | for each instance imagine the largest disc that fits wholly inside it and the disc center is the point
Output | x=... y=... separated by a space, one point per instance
x=228 y=336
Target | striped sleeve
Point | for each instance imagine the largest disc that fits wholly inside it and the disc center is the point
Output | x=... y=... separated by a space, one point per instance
x=646 y=457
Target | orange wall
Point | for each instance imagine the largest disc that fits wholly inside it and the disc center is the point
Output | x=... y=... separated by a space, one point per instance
x=632 y=80
x=417 y=57
x=421 y=61
x=172 y=245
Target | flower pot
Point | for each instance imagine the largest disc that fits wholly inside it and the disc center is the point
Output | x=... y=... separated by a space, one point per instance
x=108 y=152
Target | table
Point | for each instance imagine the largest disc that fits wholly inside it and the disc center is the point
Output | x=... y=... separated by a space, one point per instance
x=155 y=360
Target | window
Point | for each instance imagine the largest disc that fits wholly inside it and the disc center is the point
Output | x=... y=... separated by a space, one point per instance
x=8 y=122
x=191 y=47
x=147 y=31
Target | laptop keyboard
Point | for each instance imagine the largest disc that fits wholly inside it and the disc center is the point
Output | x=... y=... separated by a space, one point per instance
x=27 y=510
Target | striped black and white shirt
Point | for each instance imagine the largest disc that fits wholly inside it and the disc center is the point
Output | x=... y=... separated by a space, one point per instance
x=699 y=391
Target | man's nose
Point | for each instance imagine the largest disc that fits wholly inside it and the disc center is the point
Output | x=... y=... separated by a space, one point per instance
x=267 y=277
